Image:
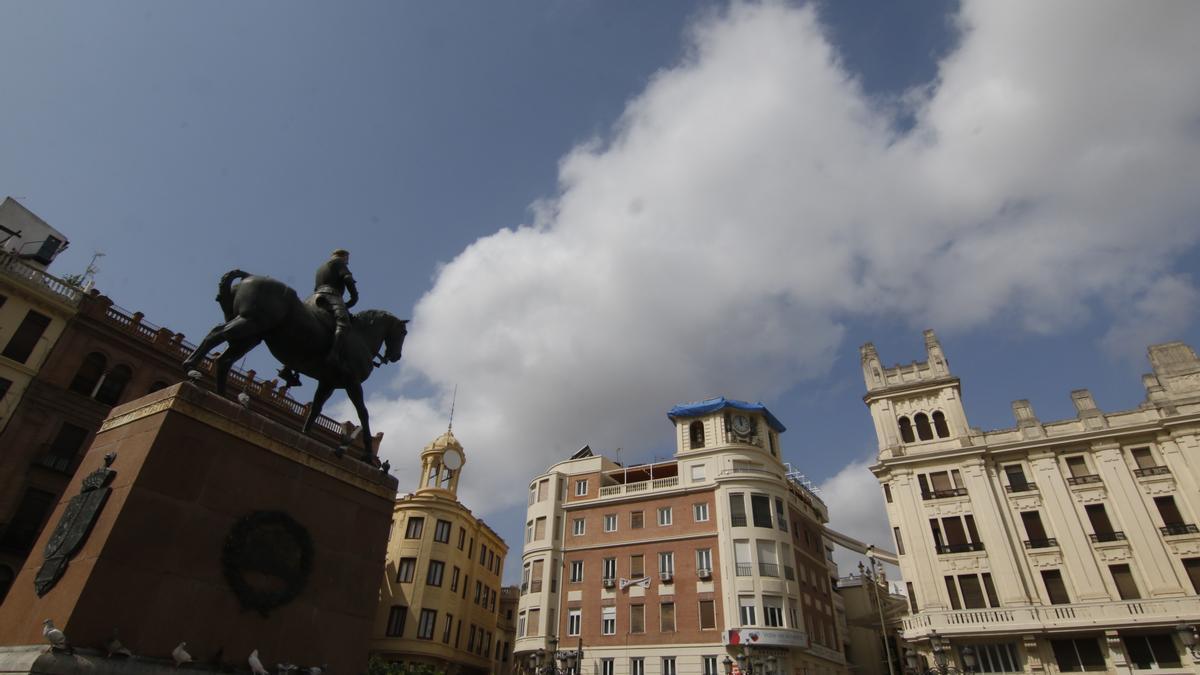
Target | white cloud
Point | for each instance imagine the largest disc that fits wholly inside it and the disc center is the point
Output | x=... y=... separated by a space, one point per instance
x=856 y=508
x=751 y=199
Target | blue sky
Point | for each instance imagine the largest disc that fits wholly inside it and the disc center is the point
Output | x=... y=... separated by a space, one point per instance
x=596 y=210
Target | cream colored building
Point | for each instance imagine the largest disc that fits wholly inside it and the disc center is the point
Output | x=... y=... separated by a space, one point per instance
x=1047 y=546
x=671 y=568
x=440 y=600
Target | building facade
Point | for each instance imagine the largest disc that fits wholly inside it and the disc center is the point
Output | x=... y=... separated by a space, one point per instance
x=674 y=567
x=1049 y=546
x=441 y=599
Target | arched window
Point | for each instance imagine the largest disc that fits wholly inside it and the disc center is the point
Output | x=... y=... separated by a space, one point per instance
x=696 y=431
x=89 y=374
x=906 y=432
x=113 y=385
x=939 y=425
x=924 y=431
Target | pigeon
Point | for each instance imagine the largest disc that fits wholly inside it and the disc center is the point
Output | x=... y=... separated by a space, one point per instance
x=115 y=648
x=180 y=655
x=386 y=466
x=256 y=665
x=244 y=399
x=55 y=637
x=318 y=670
x=195 y=375
x=285 y=668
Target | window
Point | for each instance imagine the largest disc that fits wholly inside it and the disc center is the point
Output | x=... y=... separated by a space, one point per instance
x=995 y=658
x=636 y=520
x=441 y=531
x=1192 y=567
x=581 y=488
x=912 y=597
x=768 y=562
x=415 y=527
x=697 y=473
x=539 y=528
x=899 y=540
x=906 y=430
x=1016 y=478
x=532 y=494
x=89 y=374
x=610 y=522
x=1126 y=587
x=887 y=492
x=1101 y=526
x=1056 y=590
x=708 y=665
x=760 y=505
x=26 y=336
x=610 y=568
x=406 y=569
x=741 y=557
x=446 y=630
x=952 y=591
x=972 y=592
x=708 y=614
x=113 y=385
x=737 y=509
x=543 y=489
x=577 y=527
x=1078 y=655
x=536 y=574
x=434 y=576
x=574 y=621
x=666 y=562
x=606 y=667
x=576 y=571
x=462 y=537
x=990 y=589
x=65 y=447
x=637 y=618
x=1077 y=466
x=939 y=424
x=668 y=665
x=1169 y=511
x=747 y=610
x=608 y=621
x=696 y=434
x=637 y=566
x=704 y=559
x=780 y=515
x=535 y=622
x=700 y=512
x=637 y=666
x=953 y=534
x=395 y=624
x=664 y=515
x=1151 y=651
x=1143 y=458
x=666 y=617
x=454 y=580
x=773 y=611
x=426 y=623
x=924 y=431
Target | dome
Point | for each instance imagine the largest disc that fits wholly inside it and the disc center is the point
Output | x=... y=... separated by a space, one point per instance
x=443 y=443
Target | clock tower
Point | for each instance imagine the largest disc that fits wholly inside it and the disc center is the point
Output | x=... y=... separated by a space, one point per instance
x=441 y=464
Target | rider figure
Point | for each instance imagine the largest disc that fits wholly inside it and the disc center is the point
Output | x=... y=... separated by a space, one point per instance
x=332 y=279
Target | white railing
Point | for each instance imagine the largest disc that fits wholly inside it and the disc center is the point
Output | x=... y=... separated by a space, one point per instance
x=1080 y=615
x=14 y=267
x=640 y=486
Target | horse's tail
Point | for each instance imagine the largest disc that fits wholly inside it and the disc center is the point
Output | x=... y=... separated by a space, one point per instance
x=225 y=291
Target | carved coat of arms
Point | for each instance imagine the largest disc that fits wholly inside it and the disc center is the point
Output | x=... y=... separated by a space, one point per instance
x=74 y=525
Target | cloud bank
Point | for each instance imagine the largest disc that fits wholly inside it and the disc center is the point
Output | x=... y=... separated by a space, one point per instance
x=752 y=200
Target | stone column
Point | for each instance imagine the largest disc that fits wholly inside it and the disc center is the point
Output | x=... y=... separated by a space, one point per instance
x=920 y=563
x=997 y=538
x=1068 y=528
x=1132 y=509
x=1117 y=661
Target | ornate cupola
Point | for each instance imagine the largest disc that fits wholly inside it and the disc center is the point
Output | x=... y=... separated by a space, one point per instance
x=441 y=464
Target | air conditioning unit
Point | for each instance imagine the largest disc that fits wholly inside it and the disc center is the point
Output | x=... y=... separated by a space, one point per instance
x=667 y=577
x=610 y=582
x=704 y=574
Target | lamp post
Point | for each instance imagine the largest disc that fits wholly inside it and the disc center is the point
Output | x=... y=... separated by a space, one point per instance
x=749 y=661
x=556 y=661
x=941 y=657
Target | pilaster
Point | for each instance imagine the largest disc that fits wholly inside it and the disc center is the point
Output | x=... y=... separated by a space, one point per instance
x=997 y=538
x=920 y=565
x=1067 y=526
x=1117 y=661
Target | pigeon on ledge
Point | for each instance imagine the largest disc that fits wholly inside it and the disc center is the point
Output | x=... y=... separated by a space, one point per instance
x=115 y=648
x=55 y=637
x=256 y=665
x=180 y=655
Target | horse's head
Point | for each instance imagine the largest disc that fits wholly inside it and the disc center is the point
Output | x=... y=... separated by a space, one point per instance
x=393 y=339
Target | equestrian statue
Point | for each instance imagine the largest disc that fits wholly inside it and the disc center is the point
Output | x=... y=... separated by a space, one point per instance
x=317 y=337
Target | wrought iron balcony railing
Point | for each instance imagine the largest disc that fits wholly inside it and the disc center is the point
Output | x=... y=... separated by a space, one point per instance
x=1083 y=480
x=1048 y=542
x=1021 y=487
x=1151 y=471
x=1116 y=535
x=942 y=494
x=1178 y=528
x=960 y=548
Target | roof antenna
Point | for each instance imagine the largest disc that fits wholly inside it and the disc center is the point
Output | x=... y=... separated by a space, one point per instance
x=453 y=400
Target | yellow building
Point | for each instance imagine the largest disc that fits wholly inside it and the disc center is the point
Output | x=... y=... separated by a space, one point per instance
x=34 y=309
x=440 y=600
x=1049 y=546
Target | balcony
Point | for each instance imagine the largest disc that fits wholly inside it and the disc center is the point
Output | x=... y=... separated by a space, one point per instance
x=1083 y=480
x=960 y=548
x=1021 y=487
x=1151 y=471
x=1161 y=612
x=745 y=569
x=1178 y=528
x=1048 y=542
x=1116 y=535
x=943 y=494
x=768 y=569
x=639 y=487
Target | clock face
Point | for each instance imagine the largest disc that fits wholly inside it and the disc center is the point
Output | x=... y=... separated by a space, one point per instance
x=452 y=459
x=741 y=425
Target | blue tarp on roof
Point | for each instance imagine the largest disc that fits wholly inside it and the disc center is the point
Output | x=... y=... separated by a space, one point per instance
x=714 y=404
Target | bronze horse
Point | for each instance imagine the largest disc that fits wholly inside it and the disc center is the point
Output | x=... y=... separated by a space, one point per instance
x=299 y=334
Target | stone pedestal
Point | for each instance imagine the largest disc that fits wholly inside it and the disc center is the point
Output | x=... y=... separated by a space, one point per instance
x=222 y=529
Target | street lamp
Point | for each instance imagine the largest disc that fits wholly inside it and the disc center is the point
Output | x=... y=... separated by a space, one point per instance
x=941 y=658
x=556 y=661
x=1187 y=635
